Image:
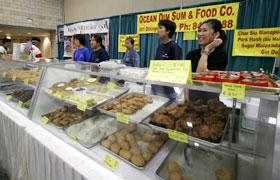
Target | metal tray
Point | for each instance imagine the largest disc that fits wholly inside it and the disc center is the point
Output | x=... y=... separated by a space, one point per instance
x=192 y=139
x=146 y=111
x=99 y=103
x=258 y=89
x=97 y=142
x=197 y=163
x=54 y=96
x=140 y=129
x=124 y=90
x=17 y=99
x=62 y=127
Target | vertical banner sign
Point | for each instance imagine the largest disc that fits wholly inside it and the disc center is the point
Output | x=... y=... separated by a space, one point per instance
x=256 y=42
x=173 y=71
x=122 y=38
x=190 y=19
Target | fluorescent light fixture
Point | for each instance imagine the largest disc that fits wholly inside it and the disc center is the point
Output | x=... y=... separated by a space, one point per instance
x=29 y=20
x=1 y=31
x=29 y=33
x=19 y=34
x=8 y=37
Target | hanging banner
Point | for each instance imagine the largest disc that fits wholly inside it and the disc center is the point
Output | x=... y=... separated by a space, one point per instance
x=256 y=42
x=122 y=38
x=89 y=27
x=190 y=19
x=190 y=35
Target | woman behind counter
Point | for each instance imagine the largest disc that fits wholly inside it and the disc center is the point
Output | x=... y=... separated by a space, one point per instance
x=82 y=53
x=131 y=57
x=99 y=54
x=211 y=55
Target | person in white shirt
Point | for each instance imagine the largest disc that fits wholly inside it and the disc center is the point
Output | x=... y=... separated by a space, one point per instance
x=4 y=48
x=35 y=51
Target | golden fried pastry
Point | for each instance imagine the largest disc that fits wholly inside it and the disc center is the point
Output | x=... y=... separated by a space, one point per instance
x=124 y=146
x=173 y=175
x=187 y=178
x=147 y=155
x=153 y=148
x=135 y=150
x=138 y=160
x=137 y=137
x=223 y=174
x=156 y=132
x=173 y=166
x=133 y=143
x=147 y=137
x=158 y=144
x=125 y=154
x=164 y=137
x=112 y=138
x=131 y=127
x=106 y=144
x=115 y=148
x=129 y=137
x=150 y=131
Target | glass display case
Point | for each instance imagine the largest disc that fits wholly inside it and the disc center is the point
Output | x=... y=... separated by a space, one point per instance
x=243 y=144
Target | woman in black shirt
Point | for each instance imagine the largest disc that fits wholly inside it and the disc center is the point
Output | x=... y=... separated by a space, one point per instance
x=211 y=55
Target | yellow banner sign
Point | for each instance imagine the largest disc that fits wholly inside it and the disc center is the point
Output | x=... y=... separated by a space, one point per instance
x=173 y=71
x=122 y=39
x=256 y=42
x=190 y=35
x=190 y=19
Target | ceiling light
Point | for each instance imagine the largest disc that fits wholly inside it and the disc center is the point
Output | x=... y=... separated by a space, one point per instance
x=29 y=20
x=8 y=37
x=29 y=33
x=1 y=31
x=19 y=34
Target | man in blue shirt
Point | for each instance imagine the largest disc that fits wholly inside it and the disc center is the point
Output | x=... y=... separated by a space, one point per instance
x=82 y=53
x=168 y=50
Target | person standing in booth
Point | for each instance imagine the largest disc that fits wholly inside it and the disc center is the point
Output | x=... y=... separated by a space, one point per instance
x=99 y=54
x=4 y=48
x=82 y=53
x=211 y=55
x=168 y=50
x=131 y=57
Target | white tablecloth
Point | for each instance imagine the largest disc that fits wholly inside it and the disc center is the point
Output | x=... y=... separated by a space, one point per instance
x=27 y=151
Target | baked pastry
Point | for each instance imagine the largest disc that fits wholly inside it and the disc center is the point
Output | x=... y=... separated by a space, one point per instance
x=173 y=166
x=187 y=178
x=124 y=146
x=137 y=137
x=173 y=175
x=115 y=148
x=129 y=137
x=147 y=137
x=125 y=154
x=158 y=144
x=112 y=139
x=138 y=160
x=147 y=155
x=223 y=174
x=153 y=148
x=135 y=150
x=106 y=144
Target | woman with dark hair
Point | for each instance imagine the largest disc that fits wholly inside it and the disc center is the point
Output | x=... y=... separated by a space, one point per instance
x=131 y=57
x=99 y=54
x=82 y=53
x=211 y=55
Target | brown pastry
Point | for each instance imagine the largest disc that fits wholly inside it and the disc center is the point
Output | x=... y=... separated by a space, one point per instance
x=137 y=137
x=164 y=137
x=106 y=144
x=147 y=137
x=131 y=127
x=158 y=144
x=124 y=146
x=125 y=154
x=147 y=155
x=175 y=176
x=129 y=137
x=223 y=174
x=153 y=148
x=187 y=178
x=115 y=148
x=173 y=166
x=133 y=143
x=135 y=150
x=138 y=160
x=112 y=139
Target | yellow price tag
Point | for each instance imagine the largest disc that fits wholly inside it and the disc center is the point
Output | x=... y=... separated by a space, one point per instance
x=82 y=106
x=8 y=98
x=87 y=96
x=178 y=136
x=14 y=78
x=173 y=71
x=234 y=90
x=73 y=137
x=91 y=80
x=4 y=74
x=110 y=161
x=81 y=78
x=48 y=91
x=26 y=81
x=74 y=98
x=20 y=103
x=45 y=120
x=111 y=85
x=123 y=118
x=59 y=94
